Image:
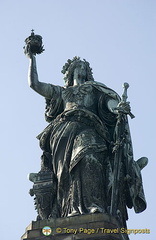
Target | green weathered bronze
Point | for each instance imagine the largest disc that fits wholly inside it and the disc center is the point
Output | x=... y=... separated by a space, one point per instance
x=87 y=148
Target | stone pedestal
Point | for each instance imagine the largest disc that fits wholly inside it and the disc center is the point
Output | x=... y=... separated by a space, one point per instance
x=84 y=227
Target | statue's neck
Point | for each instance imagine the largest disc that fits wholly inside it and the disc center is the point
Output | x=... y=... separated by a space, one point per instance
x=78 y=81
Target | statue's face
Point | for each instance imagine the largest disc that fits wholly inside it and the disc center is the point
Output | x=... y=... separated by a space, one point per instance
x=80 y=70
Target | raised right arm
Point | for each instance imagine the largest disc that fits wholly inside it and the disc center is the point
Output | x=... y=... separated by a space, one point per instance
x=44 y=89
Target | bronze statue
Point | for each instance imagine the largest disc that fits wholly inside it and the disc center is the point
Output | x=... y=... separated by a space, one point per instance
x=87 y=145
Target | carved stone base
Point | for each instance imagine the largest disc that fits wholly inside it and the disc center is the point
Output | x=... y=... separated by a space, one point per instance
x=85 y=227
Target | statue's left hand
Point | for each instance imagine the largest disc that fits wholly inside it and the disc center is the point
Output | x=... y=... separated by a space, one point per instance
x=124 y=107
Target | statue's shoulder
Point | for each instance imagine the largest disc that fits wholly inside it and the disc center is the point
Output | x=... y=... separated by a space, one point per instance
x=104 y=89
x=54 y=90
x=95 y=83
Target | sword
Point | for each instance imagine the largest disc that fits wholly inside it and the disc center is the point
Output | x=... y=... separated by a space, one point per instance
x=118 y=151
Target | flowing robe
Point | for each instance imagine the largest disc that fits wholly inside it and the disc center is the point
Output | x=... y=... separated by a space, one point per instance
x=80 y=139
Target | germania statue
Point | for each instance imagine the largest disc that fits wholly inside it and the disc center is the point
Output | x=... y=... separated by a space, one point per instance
x=87 y=163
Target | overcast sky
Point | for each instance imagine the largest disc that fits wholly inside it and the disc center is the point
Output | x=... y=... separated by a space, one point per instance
x=118 y=38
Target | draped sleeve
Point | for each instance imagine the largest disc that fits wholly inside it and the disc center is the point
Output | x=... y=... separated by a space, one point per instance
x=54 y=106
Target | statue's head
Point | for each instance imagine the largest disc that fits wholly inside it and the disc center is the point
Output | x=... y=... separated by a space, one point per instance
x=69 y=68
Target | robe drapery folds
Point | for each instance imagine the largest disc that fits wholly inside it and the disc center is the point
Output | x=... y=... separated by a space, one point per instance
x=80 y=141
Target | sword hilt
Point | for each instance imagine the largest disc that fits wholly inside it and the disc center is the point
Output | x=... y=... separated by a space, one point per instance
x=125 y=96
